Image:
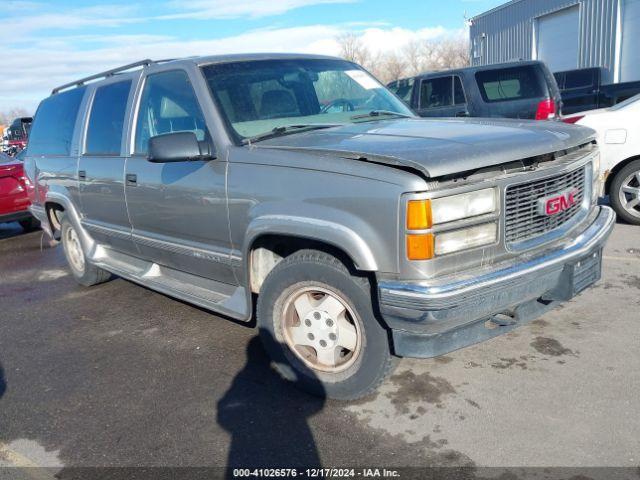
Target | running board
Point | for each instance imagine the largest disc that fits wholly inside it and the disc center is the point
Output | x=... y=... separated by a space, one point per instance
x=230 y=300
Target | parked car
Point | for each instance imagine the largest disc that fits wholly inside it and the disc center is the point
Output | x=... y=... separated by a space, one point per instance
x=619 y=140
x=582 y=90
x=364 y=231
x=14 y=199
x=511 y=90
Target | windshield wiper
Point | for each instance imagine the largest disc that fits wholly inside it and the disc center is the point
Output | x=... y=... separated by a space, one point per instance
x=381 y=113
x=282 y=130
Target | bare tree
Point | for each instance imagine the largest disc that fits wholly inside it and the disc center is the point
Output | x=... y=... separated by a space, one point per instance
x=454 y=53
x=8 y=116
x=391 y=67
x=430 y=52
x=413 y=58
x=352 y=49
x=413 y=55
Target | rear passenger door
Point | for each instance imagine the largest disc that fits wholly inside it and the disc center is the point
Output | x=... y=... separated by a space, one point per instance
x=178 y=210
x=101 y=167
x=442 y=97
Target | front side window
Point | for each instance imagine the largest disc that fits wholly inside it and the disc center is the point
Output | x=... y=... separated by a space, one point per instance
x=54 y=123
x=441 y=92
x=504 y=84
x=436 y=92
x=258 y=96
x=168 y=105
x=106 y=121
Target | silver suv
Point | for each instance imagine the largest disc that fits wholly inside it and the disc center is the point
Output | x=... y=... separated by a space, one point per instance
x=364 y=232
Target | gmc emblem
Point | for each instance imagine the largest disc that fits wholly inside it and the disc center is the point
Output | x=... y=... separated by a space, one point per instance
x=557 y=203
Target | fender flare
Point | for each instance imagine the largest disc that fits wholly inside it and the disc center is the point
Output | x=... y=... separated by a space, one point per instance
x=334 y=234
x=88 y=244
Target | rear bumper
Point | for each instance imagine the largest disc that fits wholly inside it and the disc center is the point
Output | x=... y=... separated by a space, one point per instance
x=430 y=319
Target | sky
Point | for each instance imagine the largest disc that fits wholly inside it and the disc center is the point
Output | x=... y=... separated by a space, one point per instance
x=50 y=42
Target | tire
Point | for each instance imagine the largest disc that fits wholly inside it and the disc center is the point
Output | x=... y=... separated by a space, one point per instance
x=307 y=285
x=83 y=271
x=30 y=224
x=628 y=178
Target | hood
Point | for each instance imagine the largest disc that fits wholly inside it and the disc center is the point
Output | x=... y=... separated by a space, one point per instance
x=438 y=147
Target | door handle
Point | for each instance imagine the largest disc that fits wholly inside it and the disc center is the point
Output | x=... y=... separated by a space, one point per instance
x=463 y=113
x=82 y=174
x=132 y=179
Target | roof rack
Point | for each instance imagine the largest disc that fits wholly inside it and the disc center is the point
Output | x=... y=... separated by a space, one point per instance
x=108 y=73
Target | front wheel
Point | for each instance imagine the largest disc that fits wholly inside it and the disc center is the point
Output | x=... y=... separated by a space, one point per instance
x=317 y=323
x=624 y=193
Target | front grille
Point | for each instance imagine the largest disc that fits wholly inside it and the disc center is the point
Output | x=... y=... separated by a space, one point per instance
x=522 y=220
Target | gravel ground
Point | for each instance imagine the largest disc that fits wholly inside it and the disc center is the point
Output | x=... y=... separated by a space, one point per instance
x=118 y=375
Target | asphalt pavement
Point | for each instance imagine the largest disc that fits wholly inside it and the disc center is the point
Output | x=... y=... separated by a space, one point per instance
x=117 y=375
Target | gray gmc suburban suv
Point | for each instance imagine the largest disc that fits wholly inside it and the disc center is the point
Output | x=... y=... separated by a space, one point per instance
x=363 y=232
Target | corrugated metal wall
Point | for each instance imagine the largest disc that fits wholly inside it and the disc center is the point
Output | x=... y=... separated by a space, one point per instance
x=509 y=32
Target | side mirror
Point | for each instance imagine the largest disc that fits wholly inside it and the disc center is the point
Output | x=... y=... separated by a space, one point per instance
x=178 y=147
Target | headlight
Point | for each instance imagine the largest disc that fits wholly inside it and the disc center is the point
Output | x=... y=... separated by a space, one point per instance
x=464 y=205
x=423 y=214
x=466 y=238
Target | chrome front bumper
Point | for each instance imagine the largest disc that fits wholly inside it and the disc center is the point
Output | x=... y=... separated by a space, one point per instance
x=427 y=312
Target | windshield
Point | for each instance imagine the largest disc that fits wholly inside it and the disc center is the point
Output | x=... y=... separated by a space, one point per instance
x=257 y=97
x=627 y=102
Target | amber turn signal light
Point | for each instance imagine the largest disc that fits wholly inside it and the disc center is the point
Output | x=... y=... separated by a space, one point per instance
x=420 y=247
x=418 y=214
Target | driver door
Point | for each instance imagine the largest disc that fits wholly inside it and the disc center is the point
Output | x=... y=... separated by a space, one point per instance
x=178 y=210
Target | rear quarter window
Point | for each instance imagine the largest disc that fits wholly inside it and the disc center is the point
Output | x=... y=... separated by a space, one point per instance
x=106 y=122
x=506 y=84
x=53 y=126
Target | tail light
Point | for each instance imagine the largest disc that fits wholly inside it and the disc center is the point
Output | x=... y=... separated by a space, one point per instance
x=546 y=109
x=572 y=120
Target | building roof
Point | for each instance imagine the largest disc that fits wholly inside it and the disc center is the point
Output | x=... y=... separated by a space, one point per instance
x=495 y=9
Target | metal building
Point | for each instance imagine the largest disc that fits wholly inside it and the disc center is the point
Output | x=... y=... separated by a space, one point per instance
x=566 y=34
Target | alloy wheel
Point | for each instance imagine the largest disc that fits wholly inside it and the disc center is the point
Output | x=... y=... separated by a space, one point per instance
x=321 y=329
x=629 y=194
x=74 y=251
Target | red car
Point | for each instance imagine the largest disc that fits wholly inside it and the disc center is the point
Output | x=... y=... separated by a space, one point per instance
x=14 y=199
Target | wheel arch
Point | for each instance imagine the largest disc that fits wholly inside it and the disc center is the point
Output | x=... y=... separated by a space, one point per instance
x=614 y=171
x=266 y=247
x=53 y=214
x=56 y=202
